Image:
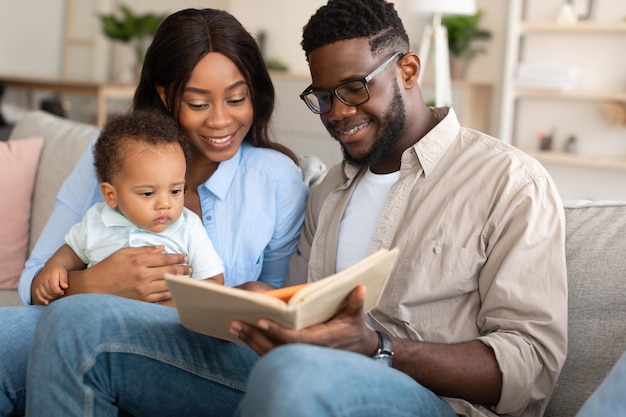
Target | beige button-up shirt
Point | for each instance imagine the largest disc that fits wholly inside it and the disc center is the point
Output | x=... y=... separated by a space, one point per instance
x=481 y=231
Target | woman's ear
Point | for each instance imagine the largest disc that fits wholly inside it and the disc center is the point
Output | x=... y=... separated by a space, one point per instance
x=161 y=92
x=411 y=67
x=108 y=192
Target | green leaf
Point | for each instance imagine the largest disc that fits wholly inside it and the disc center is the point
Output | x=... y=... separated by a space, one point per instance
x=131 y=27
x=462 y=32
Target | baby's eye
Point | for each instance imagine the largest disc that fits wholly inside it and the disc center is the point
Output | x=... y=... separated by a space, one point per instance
x=177 y=191
x=147 y=193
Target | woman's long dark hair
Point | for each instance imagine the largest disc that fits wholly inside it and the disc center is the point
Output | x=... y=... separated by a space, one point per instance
x=182 y=40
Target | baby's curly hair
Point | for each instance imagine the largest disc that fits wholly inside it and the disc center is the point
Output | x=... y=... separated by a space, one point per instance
x=121 y=132
x=350 y=19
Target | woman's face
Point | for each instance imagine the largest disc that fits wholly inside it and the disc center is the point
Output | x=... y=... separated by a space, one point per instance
x=216 y=109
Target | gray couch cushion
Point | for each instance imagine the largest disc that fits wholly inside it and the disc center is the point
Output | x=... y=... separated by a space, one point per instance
x=64 y=142
x=596 y=268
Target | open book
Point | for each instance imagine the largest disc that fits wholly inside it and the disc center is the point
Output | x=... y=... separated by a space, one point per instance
x=209 y=308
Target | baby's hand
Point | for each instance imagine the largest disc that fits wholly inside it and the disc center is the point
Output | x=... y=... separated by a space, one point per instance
x=49 y=284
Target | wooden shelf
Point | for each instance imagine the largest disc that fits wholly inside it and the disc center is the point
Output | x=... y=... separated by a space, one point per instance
x=102 y=90
x=581 y=27
x=571 y=95
x=578 y=160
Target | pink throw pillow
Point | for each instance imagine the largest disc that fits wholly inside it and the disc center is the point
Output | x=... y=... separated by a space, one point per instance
x=18 y=165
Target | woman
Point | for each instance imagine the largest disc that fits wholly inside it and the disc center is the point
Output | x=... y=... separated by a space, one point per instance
x=206 y=71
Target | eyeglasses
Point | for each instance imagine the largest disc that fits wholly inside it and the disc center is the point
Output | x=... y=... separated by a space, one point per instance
x=350 y=93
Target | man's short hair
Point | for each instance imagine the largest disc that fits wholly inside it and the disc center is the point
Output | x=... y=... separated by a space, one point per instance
x=351 y=19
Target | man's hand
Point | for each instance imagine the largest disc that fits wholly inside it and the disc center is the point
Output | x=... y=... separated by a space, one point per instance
x=443 y=368
x=136 y=273
x=346 y=330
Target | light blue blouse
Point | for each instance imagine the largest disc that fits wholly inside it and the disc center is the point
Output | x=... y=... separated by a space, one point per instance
x=252 y=208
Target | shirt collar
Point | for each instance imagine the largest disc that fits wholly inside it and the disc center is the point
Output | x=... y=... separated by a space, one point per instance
x=113 y=218
x=430 y=149
x=223 y=177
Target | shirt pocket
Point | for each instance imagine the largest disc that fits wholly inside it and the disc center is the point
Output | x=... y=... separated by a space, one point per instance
x=431 y=280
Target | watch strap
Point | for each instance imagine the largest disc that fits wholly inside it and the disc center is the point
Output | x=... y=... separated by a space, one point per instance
x=384 y=352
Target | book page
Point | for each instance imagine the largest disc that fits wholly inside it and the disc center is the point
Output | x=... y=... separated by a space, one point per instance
x=320 y=300
x=209 y=308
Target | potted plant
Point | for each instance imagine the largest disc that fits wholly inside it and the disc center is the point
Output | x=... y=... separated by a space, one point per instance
x=137 y=29
x=463 y=31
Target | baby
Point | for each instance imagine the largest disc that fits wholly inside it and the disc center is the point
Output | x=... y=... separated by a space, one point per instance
x=140 y=160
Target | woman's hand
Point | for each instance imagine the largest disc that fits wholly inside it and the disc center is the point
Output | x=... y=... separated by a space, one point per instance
x=136 y=273
x=346 y=330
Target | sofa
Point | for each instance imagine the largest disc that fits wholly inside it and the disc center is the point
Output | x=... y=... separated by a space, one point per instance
x=64 y=142
x=595 y=250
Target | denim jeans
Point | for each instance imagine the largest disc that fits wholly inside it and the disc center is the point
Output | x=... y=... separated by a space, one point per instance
x=17 y=326
x=97 y=355
x=609 y=399
x=304 y=380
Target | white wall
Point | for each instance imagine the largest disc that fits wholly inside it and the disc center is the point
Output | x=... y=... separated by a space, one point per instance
x=33 y=32
x=39 y=26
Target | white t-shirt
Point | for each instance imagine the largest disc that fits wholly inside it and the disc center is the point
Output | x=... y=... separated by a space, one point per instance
x=359 y=219
x=104 y=231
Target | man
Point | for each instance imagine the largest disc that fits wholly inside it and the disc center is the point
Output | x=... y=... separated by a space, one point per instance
x=474 y=318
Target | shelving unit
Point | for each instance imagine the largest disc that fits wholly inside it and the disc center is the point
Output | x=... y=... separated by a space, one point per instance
x=79 y=39
x=595 y=46
x=580 y=27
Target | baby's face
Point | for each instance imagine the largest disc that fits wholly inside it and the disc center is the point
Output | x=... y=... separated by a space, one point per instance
x=150 y=190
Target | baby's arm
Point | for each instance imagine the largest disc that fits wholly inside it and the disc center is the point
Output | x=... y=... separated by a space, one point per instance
x=216 y=279
x=51 y=282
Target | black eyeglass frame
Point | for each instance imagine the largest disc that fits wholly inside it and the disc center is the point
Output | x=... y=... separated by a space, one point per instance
x=333 y=91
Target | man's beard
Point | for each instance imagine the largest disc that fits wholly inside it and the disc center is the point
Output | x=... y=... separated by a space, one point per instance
x=392 y=127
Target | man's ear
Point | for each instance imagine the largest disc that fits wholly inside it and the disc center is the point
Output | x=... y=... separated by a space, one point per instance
x=108 y=192
x=161 y=92
x=411 y=67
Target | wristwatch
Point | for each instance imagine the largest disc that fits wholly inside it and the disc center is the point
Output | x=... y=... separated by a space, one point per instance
x=384 y=353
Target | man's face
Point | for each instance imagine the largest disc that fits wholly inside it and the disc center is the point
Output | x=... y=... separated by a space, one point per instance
x=367 y=132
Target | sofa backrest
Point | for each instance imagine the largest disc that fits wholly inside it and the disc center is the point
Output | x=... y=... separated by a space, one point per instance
x=596 y=269
x=64 y=142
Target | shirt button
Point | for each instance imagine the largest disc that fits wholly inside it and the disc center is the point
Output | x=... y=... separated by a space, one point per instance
x=437 y=249
x=208 y=218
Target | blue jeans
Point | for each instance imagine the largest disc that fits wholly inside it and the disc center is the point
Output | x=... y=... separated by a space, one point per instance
x=17 y=326
x=305 y=380
x=97 y=355
x=609 y=399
